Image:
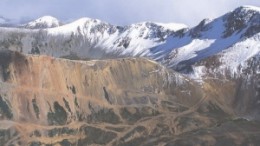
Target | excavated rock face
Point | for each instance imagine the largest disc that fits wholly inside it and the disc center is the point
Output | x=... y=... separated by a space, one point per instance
x=124 y=102
x=52 y=101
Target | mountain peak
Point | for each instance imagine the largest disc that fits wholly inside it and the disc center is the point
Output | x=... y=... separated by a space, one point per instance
x=249 y=7
x=241 y=18
x=46 y=18
x=43 y=22
x=245 y=12
x=88 y=20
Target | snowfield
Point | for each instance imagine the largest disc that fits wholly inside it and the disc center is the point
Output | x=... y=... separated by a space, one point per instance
x=232 y=39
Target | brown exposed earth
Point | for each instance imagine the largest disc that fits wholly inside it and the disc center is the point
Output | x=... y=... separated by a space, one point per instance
x=120 y=102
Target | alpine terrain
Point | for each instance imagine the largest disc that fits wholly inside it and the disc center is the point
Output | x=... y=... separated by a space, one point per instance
x=91 y=83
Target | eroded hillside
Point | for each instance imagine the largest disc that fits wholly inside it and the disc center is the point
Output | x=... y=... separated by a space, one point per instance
x=131 y=101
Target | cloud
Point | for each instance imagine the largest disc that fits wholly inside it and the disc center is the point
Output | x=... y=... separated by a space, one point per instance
x=123 y=12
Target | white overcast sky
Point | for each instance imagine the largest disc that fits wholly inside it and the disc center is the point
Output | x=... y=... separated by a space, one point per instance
x=123 y=12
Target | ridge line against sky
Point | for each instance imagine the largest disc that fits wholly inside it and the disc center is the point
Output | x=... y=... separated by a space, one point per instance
x=122 y=12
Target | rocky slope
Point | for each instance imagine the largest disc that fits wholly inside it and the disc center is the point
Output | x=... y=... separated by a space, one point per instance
x=212 y=99
x=131 y=101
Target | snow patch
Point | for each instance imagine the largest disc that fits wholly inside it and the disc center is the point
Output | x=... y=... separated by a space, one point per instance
x=173 y=26
x=249 y=7
x=198 y=73
x=238 y=54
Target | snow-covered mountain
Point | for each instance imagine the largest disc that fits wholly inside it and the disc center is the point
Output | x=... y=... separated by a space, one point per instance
x=213 y=37
x=43 y=22
x=226 y=39
x=91 y=38
x=213 y=99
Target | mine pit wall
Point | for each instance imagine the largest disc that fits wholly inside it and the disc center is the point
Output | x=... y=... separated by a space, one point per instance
x=48 y=101
x=38 y=89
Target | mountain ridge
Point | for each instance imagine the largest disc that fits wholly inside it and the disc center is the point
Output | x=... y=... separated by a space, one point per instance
x=95 y=39
x=93 y=83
